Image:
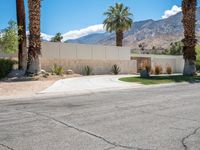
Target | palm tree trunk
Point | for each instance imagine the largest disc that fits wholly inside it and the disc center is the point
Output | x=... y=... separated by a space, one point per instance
x=119 y=38
x=189 y=24
x=34 y=52
x=21 y=22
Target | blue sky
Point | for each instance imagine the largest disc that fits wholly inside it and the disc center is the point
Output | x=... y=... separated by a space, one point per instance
x=67 y=15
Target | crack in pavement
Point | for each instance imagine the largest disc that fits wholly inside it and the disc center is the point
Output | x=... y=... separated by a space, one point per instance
x=110 y=148
x=86 y=132
x=187 y=137
x=3 y=145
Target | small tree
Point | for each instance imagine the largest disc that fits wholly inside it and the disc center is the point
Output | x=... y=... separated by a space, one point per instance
x=57 y=38
x=176 y=48
x=142 y=46
x=9 y=38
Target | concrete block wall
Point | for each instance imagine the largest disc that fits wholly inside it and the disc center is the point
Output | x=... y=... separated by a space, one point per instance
x=100 y=58
x=77 y=56
x=84 y=51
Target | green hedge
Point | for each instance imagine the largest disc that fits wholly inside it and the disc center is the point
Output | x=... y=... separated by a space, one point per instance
x=6 y=66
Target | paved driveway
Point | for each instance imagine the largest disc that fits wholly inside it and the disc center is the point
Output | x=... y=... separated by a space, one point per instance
x=161 y=118
x=88 y=84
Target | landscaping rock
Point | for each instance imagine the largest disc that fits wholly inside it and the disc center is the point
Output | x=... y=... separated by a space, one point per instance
x=70 y=72
x=16 y=73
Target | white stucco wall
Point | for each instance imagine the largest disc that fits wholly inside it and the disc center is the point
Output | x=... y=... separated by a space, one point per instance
x=99 y=57
x=76 y=56
x=84 y=51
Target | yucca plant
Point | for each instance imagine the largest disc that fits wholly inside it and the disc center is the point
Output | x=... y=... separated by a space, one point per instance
x=58 y=70
x=115 y=69
x=87 y=70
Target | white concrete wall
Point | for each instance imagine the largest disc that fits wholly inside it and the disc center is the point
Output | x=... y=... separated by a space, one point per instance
x=84 y=52
x=176 y=62
x=76 y=56
x=101 y=58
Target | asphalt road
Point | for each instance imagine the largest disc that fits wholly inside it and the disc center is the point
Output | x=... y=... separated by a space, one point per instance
x=160 y=118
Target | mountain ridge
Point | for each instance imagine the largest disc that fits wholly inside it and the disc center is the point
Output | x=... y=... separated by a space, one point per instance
x=158 y=33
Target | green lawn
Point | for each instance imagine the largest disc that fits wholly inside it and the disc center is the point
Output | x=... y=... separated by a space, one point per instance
x=161 y=79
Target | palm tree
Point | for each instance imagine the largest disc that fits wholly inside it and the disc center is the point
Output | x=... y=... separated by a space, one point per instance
x=34 y=52
x=58 y=37
x=118 y=20
x=189 y=41
x=21 y=22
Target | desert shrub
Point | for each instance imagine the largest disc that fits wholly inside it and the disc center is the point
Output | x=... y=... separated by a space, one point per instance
x=115 y=69
x=58 y=70
x=6 y=66
x=169 y=69
x=158 y=69
x=152 y=71
x=87 y=70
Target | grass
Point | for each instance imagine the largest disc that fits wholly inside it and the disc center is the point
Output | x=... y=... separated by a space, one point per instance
x=162 y=79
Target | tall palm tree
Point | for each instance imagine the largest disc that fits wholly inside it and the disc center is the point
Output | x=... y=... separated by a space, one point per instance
x=118 y=20
x=34 y=52
x=21 y=22
x=189 y=24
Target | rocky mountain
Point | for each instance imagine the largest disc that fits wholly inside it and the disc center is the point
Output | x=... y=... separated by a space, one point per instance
x=153 y=33
x=90 y=39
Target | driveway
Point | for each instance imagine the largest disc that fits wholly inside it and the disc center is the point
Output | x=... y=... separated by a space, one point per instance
x=88 y=84
x=160 y=118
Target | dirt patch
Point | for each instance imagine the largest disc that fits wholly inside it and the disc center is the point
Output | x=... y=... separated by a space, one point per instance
x=26 y=86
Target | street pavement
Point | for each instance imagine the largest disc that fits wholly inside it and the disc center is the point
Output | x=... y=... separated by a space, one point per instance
x=151 y=118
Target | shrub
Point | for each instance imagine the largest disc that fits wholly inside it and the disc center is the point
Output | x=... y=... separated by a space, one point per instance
x=176 y=48
x=87 y=70
x=152 y=71
x=6 y=66
x=158 y=69
x=58 y=70
x=115 y=69
x=169 y=70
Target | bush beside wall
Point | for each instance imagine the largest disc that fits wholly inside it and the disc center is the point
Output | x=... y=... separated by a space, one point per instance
x=6 y=66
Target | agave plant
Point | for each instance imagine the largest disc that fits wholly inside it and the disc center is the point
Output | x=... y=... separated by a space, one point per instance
x=87 y=70
x=115 y=69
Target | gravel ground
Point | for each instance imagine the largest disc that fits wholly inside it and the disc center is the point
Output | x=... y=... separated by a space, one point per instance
x=27 y=87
